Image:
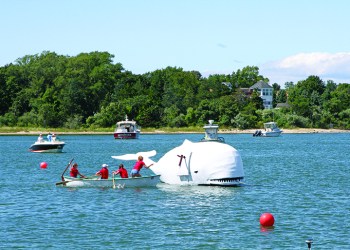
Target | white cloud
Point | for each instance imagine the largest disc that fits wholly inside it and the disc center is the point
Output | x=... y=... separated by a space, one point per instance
x=298 y=67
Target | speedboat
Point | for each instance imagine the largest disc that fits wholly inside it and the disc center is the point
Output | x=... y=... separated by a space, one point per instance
x=43 y=146
x=127 y=129
x=209 y=162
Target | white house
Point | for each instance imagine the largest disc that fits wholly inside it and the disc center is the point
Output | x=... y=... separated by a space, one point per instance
x=265 y=91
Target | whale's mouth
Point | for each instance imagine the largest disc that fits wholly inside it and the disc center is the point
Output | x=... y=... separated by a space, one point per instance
x=237 y=181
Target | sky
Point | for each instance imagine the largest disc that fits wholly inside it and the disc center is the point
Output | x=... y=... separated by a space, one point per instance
x=288 y=40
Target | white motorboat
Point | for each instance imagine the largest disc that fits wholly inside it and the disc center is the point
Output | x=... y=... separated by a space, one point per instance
x=127 y=129
x=270 y=130
x=47 y=146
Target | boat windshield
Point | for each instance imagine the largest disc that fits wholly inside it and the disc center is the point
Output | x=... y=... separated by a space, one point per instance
x=270 y=125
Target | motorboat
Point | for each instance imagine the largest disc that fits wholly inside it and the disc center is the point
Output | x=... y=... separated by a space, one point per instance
x=209 y=162
x=114 y=182
x=211 y=132
x=127 y=129
x=270 y=130
x=52 y=145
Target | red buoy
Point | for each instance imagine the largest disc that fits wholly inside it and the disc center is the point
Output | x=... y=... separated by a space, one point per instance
x=267 y=220
x=43 y=165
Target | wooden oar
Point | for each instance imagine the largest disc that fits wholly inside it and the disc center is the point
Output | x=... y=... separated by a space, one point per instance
x=62 y=183
x=113 y=181
x=62 y=178
x=92 y=177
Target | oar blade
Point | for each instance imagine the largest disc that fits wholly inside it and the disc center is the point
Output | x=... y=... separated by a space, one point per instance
x=62 y=183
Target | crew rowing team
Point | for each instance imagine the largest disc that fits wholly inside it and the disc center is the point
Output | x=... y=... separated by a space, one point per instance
x=104 y=172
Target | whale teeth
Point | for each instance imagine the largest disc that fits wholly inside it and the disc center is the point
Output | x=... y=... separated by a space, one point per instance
x=236 y=179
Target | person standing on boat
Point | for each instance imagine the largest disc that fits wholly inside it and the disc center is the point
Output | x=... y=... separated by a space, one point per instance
x=103 y=171
x=49 y=137
x=135 y=172
x=121 y=171
x=53 y=137
x=74 y=172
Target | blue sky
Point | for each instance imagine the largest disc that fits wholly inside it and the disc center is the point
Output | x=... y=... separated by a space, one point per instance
x=287 y=40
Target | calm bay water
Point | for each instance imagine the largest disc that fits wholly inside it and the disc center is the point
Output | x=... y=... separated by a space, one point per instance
x=302 y=179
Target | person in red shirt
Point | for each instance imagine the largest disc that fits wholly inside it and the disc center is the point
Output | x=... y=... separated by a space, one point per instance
x=135 y=172
x=121 y=171
x=74 y=172
x=103 y=171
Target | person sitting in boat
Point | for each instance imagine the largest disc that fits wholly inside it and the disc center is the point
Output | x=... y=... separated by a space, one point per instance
x=40 y=138
x=74 y=172
x=135 y=172
x=121 y=171
x=103 y=171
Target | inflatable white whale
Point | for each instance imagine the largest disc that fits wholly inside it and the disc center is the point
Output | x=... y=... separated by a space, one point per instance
x=208 y=162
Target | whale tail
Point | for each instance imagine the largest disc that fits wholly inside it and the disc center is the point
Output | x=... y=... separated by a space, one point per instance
x=129 y=157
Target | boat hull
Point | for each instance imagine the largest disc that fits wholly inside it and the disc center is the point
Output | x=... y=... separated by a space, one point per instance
x=136 y=182
x=271 y=134
x=128 y=135
x=47 y=147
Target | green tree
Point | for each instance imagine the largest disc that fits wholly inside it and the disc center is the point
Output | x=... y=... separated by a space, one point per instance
x=247 y=77
x=305 y=95
x=340 y=99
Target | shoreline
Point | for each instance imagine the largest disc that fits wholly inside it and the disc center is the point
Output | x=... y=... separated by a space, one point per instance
x=224 y=131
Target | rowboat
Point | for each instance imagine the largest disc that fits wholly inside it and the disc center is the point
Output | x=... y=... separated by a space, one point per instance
x=115 y=182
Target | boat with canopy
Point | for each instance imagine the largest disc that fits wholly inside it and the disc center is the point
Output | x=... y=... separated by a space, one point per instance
x=127 y=129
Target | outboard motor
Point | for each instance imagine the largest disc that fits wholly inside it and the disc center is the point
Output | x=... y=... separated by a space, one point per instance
x=257 y=133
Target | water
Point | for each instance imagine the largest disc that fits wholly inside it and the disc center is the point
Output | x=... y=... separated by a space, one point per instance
x=302 y=179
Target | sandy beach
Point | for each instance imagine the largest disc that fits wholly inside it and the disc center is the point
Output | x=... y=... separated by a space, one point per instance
x=290 y=131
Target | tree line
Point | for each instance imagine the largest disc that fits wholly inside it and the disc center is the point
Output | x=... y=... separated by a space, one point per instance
x=90 y=91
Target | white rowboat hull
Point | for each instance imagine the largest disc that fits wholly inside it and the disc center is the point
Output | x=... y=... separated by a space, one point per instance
x=144 y=181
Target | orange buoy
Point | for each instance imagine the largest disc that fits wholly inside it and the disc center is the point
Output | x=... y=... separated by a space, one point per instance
x=43 y=165
x=267 y=220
